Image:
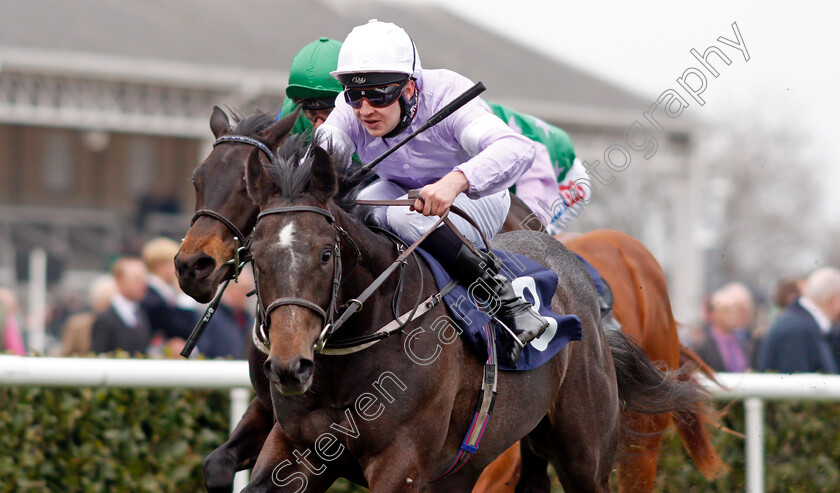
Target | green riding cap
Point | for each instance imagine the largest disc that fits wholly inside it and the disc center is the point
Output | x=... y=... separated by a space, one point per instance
x=309 y=74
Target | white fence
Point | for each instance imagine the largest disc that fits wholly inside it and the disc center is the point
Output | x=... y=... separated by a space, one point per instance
x=233 y=375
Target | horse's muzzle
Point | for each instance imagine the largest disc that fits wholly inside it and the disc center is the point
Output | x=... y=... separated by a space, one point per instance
x=195 y=274
x=292 y=378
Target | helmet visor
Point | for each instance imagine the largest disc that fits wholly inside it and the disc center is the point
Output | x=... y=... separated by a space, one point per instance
x=378 y=97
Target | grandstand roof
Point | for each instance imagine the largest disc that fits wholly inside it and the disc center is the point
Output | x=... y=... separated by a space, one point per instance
x=263 y=35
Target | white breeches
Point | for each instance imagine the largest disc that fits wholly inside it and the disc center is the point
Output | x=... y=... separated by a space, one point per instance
x=488 y=212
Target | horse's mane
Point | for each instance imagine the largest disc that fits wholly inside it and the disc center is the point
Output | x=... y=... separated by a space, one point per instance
x=250 y=125
x=291 y=172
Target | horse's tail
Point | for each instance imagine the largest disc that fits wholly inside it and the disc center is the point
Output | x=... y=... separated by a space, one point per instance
x=646 y=389
x=692 y=426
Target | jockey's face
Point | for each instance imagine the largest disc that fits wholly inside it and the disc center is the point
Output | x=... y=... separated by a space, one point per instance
x=380 y=121
x=317 y=117
x=316 y=110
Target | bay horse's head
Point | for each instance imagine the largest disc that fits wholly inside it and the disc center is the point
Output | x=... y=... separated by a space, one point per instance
x=296 y=247
x=223 y=208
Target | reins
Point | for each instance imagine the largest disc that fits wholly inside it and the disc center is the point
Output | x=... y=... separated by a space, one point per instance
x=242 y=253
x=241 y=247
x=332 y=324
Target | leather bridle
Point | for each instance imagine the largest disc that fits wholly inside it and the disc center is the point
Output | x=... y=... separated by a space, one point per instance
x=331 y=324
x=328 y=315
x=241 y=241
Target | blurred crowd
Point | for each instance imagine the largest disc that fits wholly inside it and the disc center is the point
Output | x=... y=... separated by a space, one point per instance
x=139 y=308
x=799 y=333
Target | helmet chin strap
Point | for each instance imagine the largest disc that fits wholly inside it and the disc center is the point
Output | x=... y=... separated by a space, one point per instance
x=408 y=108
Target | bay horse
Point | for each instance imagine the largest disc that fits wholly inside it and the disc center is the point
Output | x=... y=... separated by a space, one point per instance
x=203 y=262
x=410 y=416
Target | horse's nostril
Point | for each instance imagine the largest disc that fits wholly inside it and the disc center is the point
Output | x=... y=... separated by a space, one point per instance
x=268 y=368
x=203 y=266
x=291 y=375
x=304 y=369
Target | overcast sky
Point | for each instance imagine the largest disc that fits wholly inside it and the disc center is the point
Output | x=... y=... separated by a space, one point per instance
x=793 y=73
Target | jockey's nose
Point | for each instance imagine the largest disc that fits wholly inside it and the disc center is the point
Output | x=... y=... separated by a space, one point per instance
x=198 y=265
x=291 y=377
x=366 y=108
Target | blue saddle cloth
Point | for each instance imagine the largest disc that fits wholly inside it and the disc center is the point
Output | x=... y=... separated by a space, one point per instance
x=535 y=283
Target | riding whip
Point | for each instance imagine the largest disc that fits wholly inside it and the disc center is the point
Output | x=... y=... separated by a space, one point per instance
x=195 y=335
x=433 y=120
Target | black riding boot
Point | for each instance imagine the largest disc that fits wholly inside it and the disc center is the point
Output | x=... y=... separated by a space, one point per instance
x=468 y=268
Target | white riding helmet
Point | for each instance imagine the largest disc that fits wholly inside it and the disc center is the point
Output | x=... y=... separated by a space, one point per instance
x=376 y=53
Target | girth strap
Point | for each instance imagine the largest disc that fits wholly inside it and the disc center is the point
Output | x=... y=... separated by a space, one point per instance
x=484 y=408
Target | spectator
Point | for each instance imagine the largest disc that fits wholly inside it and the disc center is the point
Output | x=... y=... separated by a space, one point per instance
x=721 y=347
x=743 y=305
x=229 y=332
x=787 y=291
x=174 y=323
x=798 y=339
x=834 y=341
x=10 y=337
x=75 y=339
x=123 y=325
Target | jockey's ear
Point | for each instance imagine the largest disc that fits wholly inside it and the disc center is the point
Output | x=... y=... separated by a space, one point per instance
x=275 y=134
x=257 y=181
x=323 y=184
x=219 y=123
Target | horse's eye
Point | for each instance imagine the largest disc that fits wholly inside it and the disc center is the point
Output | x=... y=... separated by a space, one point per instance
x=326 y=256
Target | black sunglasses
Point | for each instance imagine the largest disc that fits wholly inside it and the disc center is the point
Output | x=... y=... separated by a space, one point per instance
x=378 y=97
x=315 y=104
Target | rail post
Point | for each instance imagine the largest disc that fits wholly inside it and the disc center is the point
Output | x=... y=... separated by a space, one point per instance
x=239 y=398
x=754 y=416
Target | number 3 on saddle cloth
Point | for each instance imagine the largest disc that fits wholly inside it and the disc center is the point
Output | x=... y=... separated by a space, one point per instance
x=533 y=282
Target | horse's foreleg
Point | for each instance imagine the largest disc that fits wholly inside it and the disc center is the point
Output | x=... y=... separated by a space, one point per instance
x=240 y=450
x=283 y=467
x=534 y=475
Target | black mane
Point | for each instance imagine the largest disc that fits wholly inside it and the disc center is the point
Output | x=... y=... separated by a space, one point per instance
x=251 y=125
x=291 y=172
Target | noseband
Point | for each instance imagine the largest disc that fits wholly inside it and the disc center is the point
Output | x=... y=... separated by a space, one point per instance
x=328 y=315
x=241 y=252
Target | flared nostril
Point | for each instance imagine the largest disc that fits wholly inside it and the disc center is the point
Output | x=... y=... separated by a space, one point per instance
x=304 y=369
x=198 y=266
x=203 y=266
x=292 y=375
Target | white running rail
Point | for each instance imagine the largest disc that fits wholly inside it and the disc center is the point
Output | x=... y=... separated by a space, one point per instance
x=754 y=388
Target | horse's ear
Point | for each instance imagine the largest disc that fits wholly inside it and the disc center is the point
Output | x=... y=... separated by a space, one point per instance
x=257 y=181
x=219 y=123
x=324 y=183
x=274 y=134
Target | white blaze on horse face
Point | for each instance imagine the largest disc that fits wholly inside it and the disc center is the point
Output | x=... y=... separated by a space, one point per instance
x=285 y=236
x=284 y=241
